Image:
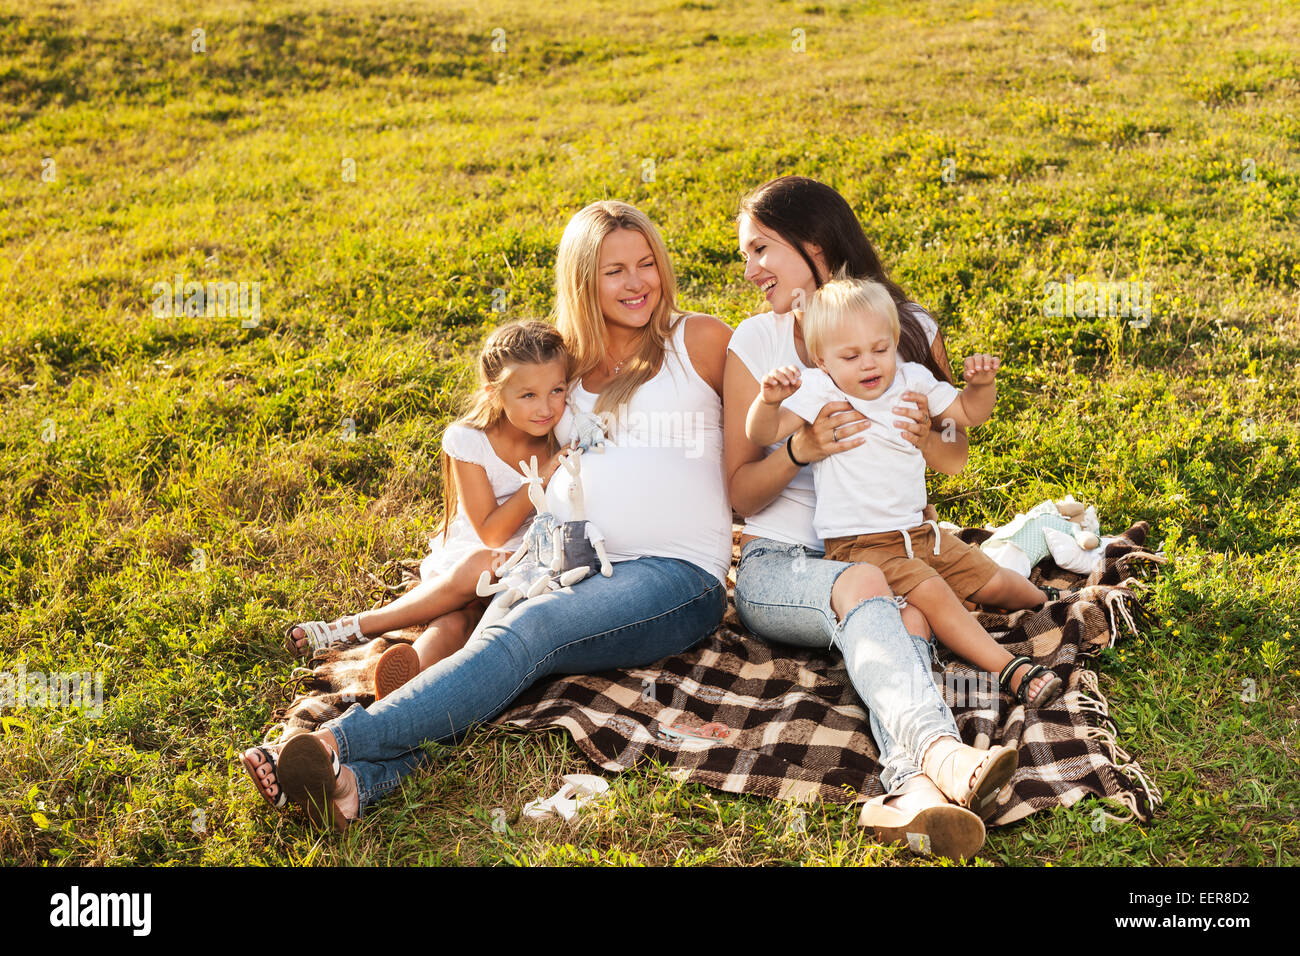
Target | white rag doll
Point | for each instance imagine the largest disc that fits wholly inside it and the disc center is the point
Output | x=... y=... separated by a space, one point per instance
x=1066 y=529
x=578 y=543
x=553 y=555
x=588 y=431
x=527 y=572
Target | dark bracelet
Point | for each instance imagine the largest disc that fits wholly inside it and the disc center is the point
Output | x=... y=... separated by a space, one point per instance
x=789 y=450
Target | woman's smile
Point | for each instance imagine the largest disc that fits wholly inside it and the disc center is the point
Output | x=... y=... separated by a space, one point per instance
x=773 y=265
x=629 y=278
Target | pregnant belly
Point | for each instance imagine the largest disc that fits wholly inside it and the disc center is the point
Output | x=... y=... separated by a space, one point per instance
x=645 y=502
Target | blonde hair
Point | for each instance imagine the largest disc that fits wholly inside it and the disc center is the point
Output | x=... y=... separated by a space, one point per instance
x=839 y=300
x=528 y=342
x=577 y=312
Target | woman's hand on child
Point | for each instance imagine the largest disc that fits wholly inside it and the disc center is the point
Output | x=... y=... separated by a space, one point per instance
x=915 y=425
x=779 y=384
x=836 y=429
x=980 y=369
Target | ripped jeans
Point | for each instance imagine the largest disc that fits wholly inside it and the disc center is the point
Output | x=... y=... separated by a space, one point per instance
x=783 y=594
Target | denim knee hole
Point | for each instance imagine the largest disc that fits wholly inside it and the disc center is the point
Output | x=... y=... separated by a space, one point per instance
x=842 y=625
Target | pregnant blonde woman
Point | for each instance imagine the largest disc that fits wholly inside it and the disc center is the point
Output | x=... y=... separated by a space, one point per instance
x=657 y=494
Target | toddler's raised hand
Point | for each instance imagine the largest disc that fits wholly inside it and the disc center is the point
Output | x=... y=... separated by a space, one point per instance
x=779 y=384
x=980 y=369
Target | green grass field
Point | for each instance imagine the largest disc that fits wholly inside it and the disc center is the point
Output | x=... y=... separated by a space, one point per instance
x=177 y=489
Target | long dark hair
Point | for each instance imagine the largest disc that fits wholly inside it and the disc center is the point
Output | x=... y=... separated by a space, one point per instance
x=808 y=213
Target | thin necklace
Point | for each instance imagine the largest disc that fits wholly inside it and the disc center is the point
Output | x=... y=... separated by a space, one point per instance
x=618 y=366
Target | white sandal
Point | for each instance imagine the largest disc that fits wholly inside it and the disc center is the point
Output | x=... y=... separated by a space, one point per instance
x=323 y=634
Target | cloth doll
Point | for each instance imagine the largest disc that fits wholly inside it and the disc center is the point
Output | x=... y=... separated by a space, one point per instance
x=578 y=543
x=1066 y=529
x=527 y=572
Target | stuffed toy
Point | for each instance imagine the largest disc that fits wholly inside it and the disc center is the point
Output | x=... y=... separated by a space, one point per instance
x=553 y=554
x=586 y=431
x=578 y=543
x=527 y=572
x=1066 y=529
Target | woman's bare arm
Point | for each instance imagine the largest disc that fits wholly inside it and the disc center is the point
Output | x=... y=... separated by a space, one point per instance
x=754 y=478
x=706 y=344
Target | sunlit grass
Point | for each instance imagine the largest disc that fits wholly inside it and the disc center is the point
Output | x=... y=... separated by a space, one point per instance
x=178 y=489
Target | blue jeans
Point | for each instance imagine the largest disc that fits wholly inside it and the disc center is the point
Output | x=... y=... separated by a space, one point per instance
x=783 y=593
x=650 y=609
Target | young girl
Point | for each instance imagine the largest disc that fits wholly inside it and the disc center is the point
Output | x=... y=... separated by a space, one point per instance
x=870 y=499
x=523 y=381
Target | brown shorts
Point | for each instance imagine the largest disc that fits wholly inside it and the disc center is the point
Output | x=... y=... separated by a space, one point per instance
x=964 y=567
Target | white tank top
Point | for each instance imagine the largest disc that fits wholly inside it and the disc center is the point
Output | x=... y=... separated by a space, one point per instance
x=658 y=487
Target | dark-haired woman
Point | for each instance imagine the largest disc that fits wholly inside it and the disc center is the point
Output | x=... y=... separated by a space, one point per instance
x=794 y=233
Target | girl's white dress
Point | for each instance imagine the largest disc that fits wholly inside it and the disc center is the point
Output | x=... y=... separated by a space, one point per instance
x=472 y=446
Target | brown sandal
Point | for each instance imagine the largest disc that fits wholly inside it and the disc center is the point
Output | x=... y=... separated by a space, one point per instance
x=254 y=759
x=308 y=773
x=1046 y=694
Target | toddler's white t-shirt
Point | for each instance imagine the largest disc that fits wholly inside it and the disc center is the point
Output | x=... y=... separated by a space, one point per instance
x=880 y=485
x=764 y=342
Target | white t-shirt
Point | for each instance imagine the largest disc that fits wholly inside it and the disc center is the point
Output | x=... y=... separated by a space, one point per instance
x=472 y=446
x=880 y=484
x=764 y=342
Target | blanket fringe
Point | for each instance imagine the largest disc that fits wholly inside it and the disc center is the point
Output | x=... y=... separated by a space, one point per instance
x=1120 y=604
x=1125 y=563
x=1091 y=700
x=1117 y=609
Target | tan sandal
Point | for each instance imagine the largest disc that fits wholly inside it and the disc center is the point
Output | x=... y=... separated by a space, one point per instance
x=973 y=778
x=918 y=814
x=395 y=667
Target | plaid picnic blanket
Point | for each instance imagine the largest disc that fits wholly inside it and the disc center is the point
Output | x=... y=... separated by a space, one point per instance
x=742 y=715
